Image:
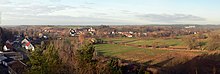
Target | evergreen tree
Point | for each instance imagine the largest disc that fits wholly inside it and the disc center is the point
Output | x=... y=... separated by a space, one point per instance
x=45 y=62
x=37 y=62
x=86 y=52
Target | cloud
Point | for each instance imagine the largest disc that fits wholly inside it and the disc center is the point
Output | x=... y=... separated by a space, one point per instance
x=171 y=18
x=32 y=9
x=84 y=7
x=5 y=2
x=89 y=3
x=57 y=20
x=54 y=0
x=125 y=11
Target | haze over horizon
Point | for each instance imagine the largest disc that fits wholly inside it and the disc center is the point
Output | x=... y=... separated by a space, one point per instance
x=120 y=12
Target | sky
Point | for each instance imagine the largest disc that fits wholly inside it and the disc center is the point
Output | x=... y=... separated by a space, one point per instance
x=109 y=12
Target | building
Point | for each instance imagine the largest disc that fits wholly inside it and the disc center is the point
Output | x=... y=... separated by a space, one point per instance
x=8 y=46
x=27 y=45
x=187 y=27
x=73 y=32
x=91 y=30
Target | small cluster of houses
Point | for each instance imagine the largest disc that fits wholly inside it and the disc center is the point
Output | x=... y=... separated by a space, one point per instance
x=12 y=50
x=10 y=62
x=159 y=33
x=188 y=27
x=18 y=42
x=76 y=32
x=127 y=34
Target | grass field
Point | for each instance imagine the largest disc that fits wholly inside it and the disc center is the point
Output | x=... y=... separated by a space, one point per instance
x=170 y=42
x=114 y=49
x=129 y=52
x=119 y=40
x=134 y=41
x=144 y=55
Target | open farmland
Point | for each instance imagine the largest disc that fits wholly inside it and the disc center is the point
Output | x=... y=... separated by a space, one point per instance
x=114 y=50
x=170 y=42
x=150 y=42
x=120 y=40
x=143 y=55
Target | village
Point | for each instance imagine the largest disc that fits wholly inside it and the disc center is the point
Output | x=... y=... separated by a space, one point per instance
x=23 y=40
x=14 y=53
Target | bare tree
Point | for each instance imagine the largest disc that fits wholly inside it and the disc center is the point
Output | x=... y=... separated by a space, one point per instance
x=81 y=38
x=191 y=42
x=213 y=41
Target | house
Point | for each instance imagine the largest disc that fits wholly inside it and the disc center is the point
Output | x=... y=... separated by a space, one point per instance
x=112 y=32
x=187 y=27
x=8 y=46
x=7 y=61
x=5 y=48
x=10 y=65
x=72 y=32
x=130 y=36
x=40 y=35
x=131 y=32
x=91 y=30
x=2 y=58
x=14 y=55
x=27 y=45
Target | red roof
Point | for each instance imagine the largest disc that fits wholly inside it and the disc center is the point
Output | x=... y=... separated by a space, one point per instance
x=28 y=44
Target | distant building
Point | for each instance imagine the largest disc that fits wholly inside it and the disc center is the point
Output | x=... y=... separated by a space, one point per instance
x=128 y=35
x=40 y=35
x=190 y=27
x=91 y=29
x=72 y=32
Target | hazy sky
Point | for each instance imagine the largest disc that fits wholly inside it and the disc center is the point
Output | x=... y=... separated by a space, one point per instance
x=19 y=12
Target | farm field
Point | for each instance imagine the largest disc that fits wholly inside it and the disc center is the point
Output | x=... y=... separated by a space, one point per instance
x=114 y=49
x=143 y=55
x=120 y=40
x=170 y=42
x=135 y=41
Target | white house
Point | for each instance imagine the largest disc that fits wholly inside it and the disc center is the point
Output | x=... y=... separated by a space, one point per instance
x=187 y=27
x=27 y=45
x=72 y=32
x=91 y=30
x=8 y=46
x=6 y=49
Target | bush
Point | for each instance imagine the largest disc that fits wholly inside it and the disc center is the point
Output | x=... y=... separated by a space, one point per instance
x=191 y=42
x=213 y=42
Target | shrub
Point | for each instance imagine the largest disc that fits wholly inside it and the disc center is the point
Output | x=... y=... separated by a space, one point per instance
x=213 y=42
